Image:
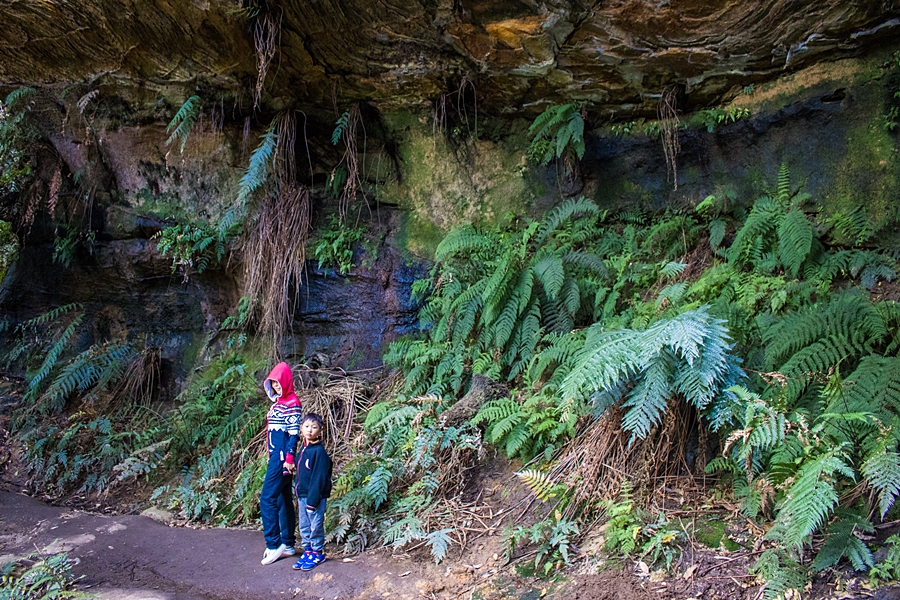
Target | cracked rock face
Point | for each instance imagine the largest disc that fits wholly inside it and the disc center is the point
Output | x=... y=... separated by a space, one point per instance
x=618 y=54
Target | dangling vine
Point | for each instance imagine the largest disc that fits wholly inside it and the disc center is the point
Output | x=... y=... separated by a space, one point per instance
x=668 y=125
x=266 y=35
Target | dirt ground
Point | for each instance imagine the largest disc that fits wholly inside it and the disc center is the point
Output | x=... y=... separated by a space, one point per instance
x=129 y=557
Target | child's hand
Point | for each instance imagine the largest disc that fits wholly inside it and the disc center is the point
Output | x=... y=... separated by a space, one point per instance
x=310 y=509
x=290 y=467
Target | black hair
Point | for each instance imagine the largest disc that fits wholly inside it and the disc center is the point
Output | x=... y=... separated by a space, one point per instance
x=314 y=418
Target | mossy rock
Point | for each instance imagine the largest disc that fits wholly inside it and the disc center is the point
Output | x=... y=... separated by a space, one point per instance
x=712 y=535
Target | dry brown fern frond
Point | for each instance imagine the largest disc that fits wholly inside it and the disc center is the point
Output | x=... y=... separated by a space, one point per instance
x=274 y=257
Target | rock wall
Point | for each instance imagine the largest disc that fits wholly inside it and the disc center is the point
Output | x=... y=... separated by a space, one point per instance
x=520 y=54
x=827 y=123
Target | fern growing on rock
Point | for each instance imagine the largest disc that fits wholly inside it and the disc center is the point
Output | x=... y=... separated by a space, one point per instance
x=556 y=132
x=488 y=309
x=183 y=122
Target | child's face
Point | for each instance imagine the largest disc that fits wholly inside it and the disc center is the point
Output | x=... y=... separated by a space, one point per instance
x=276 y=387
x=310 y=430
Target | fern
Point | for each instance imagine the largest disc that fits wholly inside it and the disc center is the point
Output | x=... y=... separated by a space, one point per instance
x=18 y=96
x=254 y=177
x=781 y=577
x=562 y=214
x=811 y=498
x=340 y=126
x=183 y=121
x=841 y=541
x=882 y=470
x=688 y=354
x=538 y=482
x=795 y=237
x=51 y=358
x=557 y=131
x=439 y=541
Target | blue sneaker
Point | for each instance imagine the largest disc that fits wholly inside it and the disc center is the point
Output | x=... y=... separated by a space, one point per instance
x=304 y=558
x=315 y=559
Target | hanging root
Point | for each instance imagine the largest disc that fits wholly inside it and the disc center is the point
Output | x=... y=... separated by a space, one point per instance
x=266 y=32
x=283 y=159
x=350 y=160
x=668 y=124
x=274 y=256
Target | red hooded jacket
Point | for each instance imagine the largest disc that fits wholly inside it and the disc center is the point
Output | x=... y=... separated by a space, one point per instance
x=283 y=419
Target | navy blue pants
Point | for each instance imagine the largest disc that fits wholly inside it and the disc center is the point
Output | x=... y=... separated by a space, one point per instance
x=276 y=505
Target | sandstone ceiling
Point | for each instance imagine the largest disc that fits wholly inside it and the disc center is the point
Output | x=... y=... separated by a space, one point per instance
x=618 y=54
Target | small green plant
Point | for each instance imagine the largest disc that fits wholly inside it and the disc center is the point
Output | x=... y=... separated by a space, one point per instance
x=661 y=542
x=713 y=117
x=335 y=245
x=553 y=538
x=66 y=244
x=888 y=570
x=623 y=529
x=557 y=132
x=37 y=577
x=193 y=246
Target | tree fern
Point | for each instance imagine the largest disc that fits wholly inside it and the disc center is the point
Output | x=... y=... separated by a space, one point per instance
x=181 y=124
x=657 y=361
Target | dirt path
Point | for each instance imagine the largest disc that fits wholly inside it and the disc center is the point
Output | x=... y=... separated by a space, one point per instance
x=137 y=558
x=127 y=557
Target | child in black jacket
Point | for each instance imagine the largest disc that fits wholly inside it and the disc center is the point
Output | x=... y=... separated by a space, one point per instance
x=312 y=486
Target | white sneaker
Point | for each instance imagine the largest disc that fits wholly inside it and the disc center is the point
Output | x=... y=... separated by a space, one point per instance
x=289 y=551
x=273 y=554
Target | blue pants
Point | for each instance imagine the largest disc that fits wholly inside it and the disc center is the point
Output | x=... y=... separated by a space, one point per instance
x=276 y=505
x=312 y=526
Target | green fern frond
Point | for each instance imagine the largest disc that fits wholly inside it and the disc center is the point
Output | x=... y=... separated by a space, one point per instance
x=465 y=239
x=564 y=212
x=34 y=385
x=17 y=97
x=183 y=121
x=882 y=469
x=550 y=273
x=795 y=237
x=841 y=541
x=762 y=221
x=339 y=127
x=783 y=188
x=780 y=576
x=439 y=541
x=811 y=498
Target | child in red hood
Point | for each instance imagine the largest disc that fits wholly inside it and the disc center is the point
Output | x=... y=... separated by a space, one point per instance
x=276 y=505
